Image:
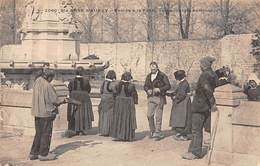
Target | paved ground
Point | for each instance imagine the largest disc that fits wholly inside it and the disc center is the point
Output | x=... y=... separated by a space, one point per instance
x=94 y=150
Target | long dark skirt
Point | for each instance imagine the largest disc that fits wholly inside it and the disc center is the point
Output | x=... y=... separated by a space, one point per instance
x=105 y=110
x=124 y=125
x=81 y=117
x=180 y=113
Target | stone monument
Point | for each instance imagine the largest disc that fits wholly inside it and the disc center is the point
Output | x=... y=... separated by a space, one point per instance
x=50 y=37
x=50 y=31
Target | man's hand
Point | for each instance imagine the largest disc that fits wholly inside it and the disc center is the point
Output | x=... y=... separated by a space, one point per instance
x=62 y=102
x=156 y=90
x=149 y=92
x=214 y=108
x=66 y=100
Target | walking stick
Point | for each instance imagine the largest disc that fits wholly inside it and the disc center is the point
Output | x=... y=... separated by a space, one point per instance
x=213 y=136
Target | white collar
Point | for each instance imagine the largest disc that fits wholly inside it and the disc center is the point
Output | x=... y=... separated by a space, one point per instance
x=126 y=81
x=109 y=80
x=78 y=76
x=182 y=79
x=155 y=73
x=223 y=78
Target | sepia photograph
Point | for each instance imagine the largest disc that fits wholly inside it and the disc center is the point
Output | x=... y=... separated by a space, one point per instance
x=130 y=82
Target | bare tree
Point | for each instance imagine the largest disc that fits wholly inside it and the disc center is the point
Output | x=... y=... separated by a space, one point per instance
x=184 y=10
x=230 y=19
x=167 y=6
x=111 y=19
x=86 y=19
x=11 y=15
x=150 y=20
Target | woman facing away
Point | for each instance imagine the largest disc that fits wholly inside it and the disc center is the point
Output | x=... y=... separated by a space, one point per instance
x=80 y=117
x=124 y=124
x=106 y=106
x=180 y=119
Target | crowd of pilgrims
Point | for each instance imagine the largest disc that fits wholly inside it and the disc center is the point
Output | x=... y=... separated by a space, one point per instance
x=117 y=111
x=117 y=114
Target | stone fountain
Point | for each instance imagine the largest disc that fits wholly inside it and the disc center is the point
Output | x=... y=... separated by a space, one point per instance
x=49 y=36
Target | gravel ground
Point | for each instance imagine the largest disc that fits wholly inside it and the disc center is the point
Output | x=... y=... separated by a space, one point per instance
x=94 y=150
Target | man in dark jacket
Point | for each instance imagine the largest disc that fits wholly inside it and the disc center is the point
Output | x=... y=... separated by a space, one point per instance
x=156 y=85
x=202 y=103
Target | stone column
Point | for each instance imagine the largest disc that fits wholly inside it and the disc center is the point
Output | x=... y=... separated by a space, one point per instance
x=227 y=98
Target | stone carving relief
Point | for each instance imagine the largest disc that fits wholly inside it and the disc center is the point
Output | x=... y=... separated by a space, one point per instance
x=32 y=11
x=65 y=13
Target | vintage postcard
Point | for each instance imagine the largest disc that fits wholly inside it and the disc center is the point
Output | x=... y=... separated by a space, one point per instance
x=129 y=83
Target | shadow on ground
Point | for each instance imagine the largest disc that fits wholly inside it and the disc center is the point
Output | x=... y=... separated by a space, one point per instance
x=93 y=131
x=141 y=135
x=9 y=134
x=61 y=149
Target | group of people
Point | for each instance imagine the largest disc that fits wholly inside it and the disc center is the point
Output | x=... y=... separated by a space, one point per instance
x=117 y=113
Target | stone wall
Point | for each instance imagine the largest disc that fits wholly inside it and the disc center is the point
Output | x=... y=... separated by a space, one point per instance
x=235 y=52
x=171 y=55
x=232 y=50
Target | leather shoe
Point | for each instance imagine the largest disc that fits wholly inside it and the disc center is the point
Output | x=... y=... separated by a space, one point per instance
x=189 y=156
x=50 y=156
x=33 y=157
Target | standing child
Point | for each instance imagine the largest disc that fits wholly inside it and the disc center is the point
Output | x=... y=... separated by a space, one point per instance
x=107 y=103
x=125 y=116
x=181 y=114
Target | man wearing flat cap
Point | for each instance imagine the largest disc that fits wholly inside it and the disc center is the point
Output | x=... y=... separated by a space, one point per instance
x=202 y=104
x=44 y=108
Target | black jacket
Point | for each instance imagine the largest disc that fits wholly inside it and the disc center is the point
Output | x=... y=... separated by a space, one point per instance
x=204 y=98
x=181 y=92
x=161 y=81
x=129 y=90
x=81 y=83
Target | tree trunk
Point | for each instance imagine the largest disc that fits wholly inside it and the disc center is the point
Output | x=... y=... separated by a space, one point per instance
x=115 y=26
x=188 y=17
x=167 y=7
x=181 y=19
x=150 y=22
x=184 y=28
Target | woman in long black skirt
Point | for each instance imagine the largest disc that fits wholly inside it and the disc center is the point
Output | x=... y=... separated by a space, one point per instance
x=124 y=113
x=80 y=117
x=107 y=103
x=180 y=118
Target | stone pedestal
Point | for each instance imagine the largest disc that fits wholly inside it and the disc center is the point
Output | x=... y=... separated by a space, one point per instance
x=227 y=98
x=246 y=134
x=50 y=41
x=235 y=129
